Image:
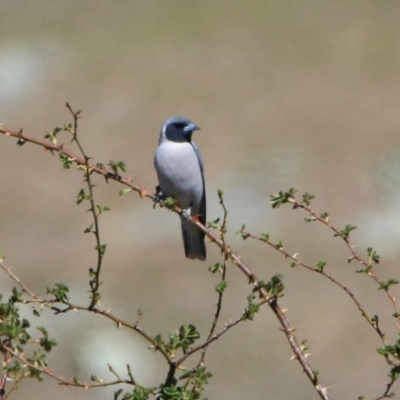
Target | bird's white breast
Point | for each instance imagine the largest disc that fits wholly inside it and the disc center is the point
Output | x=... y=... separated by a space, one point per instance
x=179 y=173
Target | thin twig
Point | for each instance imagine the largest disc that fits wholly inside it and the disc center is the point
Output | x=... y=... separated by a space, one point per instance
x=60 y=379
x=95 y=282
x=71 y=306
x=374 y=324
x=235 y=258
x=222 y=231
x=350 y=246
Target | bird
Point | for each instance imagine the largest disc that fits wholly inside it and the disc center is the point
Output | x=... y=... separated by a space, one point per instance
x=180 y=172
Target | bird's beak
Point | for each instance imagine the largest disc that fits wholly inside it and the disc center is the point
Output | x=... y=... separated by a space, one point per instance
x=190 y=128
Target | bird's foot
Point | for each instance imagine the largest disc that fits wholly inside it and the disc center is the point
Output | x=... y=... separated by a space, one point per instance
x=185 y=214
x=158 y=197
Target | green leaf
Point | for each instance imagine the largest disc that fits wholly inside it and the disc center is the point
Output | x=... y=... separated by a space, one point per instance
x=362 y=270
x=76 y=381
x=60 y=292
x=310 y=218
x=170 y=203
x=386 y=285
x=394 y=373
x=320 y=265
x=325 y=217
x=214 y=224
x=265 y=236
x=102 y=249
x=277 y=199
x=344 y=233
x=252 y=308
x=372 y=256
x=217 y=267
x=52 y=135
x=221 y=286
x=88 y=229
x=242 y=232
x=115 y=165
x=45 y=342
x=66 y=161
x=82 y=196
x=95 y=378
x=304 y=346
x=182 y=338
x=102 y=209
x=68 y=128
x=141 y=393
x=307 y=197
x=123 y=192
x=21 y=142
x=274 y=286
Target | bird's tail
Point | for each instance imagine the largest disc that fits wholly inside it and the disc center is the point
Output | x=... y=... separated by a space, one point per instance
x=193 y=240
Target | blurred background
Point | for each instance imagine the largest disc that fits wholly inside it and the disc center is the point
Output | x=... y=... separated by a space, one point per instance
x=287 y=94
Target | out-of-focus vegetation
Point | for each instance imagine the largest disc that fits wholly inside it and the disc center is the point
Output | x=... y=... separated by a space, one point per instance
x=287 y=94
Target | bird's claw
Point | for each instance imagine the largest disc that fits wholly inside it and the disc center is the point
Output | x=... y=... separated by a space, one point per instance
x=185 y=215
x=158 y=197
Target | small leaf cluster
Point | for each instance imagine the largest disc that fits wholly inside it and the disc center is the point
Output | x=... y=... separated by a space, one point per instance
x=66 y=161
x=182 y=338
x=252 y=308
x=277 y=199
x=394 y=351
x=373 y=256
x=115 y=165
x=139 y=393
x=53 y=134
x=12 y=326
x=274 y=286
x=196 y=379
x=14 y=335
x=60 y=292
x=345 y=233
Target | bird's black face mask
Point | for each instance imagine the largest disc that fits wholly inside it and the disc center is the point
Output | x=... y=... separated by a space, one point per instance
x=176 y=133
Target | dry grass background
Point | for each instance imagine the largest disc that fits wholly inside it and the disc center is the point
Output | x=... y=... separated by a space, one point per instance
x=302 y=94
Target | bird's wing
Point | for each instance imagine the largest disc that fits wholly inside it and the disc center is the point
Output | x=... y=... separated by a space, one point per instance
x=202 y=216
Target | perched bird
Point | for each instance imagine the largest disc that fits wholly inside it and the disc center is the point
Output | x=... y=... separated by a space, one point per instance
x=180 y=174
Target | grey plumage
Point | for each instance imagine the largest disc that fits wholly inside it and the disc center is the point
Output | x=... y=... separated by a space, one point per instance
x=180 y=174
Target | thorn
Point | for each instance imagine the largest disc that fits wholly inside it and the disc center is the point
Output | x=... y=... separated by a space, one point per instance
x=284 y=310
x=295 y=255
x=306 y=355
x=195 y=218
x=294 y=357
x=142 y=193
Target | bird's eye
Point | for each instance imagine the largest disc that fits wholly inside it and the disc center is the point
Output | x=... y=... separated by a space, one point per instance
x=180 y=125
